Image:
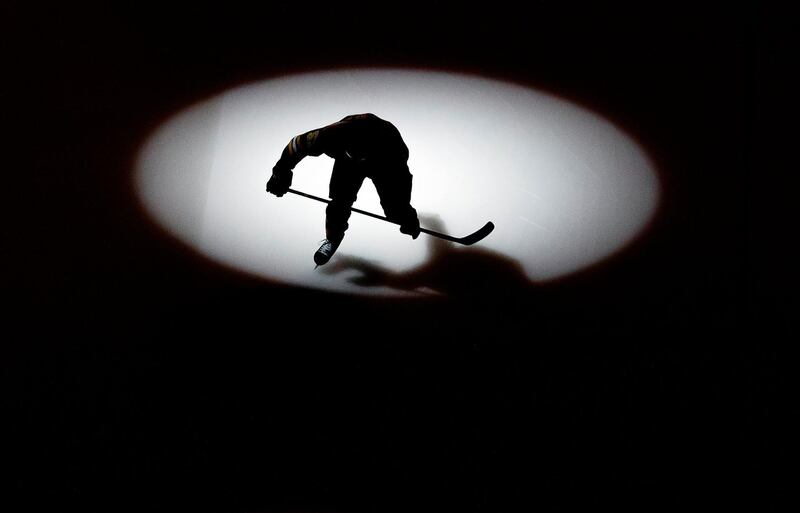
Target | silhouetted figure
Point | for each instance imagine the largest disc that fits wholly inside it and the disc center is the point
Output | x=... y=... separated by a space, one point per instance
x=363 y=146
x=450 y=270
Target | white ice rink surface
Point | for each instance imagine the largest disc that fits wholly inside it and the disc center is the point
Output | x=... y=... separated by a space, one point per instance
x=564 y=187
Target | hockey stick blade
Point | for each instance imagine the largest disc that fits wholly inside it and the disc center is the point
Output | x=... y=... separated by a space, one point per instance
x=469 y=240
x=478 y=236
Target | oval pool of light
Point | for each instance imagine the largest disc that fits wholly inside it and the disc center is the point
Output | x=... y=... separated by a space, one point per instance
x=564 y=187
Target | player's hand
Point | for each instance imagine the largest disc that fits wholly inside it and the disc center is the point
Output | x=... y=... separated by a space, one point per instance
x=411 y=227
x=279 y=183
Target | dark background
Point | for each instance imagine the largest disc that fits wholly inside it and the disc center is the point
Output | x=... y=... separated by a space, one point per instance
x=138 y=375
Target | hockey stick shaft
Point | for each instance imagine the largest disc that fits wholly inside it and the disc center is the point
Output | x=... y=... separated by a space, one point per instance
x=468 y=240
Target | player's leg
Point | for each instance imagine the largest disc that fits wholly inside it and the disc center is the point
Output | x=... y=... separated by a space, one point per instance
x=346 y=180
x=393 y=183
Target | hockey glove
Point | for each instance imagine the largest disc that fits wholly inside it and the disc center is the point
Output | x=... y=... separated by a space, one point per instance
x=280 y=182
x=411 y=227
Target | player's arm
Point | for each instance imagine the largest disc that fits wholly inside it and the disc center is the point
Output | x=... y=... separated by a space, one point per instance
x=299 y=147
x=312 y=143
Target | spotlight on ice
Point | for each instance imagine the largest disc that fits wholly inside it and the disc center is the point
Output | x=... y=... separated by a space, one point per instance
x=565 y=188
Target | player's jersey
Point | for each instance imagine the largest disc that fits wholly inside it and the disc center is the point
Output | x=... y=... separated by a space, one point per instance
x=359 y=138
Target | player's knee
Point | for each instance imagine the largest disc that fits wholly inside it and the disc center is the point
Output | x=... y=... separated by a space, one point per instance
x=393 y=213
x=339 y=205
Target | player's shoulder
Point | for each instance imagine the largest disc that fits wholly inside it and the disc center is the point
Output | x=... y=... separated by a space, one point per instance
x=367 y=116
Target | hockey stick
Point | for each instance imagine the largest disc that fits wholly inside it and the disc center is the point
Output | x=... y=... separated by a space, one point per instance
x=467 y=241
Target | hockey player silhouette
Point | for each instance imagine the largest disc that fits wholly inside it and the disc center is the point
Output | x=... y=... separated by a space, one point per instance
x=363 y=146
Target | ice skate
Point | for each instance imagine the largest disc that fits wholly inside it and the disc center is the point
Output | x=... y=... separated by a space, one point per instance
x=325 y=251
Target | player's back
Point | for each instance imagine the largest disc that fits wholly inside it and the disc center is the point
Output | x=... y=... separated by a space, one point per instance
x=366 y=136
